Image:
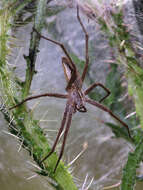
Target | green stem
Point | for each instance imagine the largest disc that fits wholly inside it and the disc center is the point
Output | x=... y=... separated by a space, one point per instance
x=129 y=172
x=34 y=43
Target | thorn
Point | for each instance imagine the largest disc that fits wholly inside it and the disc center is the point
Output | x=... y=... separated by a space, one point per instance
x=34 y=165
x=130 y=115
x=85 y=146
x=112 y=186
x=85 y=182
x=20 y=145
x=10 y=134
x=33 y=176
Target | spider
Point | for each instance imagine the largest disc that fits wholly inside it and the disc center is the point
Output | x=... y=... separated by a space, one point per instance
x=76 y=97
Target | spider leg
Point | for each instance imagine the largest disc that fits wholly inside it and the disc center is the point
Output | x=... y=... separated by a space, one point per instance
x=70 y=77
x=64 y=140
x=39 y=96
x=86 y=46
x=94 y=103
x=58 y=136
x=70 y=62
x=95 y=85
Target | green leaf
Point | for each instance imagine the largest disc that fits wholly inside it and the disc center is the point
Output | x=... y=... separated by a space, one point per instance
x=119 y=131
x=129 y=171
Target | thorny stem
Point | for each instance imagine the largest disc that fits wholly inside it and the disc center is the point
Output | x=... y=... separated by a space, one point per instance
x=34 y=44
x=28 y=128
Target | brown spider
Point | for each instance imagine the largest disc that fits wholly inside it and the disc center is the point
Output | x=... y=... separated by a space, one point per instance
x=76 y=98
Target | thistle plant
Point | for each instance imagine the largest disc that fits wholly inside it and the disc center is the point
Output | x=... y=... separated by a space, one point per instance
x=13 y=90
x=110 y=17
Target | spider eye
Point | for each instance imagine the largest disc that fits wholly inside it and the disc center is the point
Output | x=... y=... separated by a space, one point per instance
x=81 y=109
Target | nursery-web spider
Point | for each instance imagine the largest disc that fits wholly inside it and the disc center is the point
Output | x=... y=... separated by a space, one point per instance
x=76 y=97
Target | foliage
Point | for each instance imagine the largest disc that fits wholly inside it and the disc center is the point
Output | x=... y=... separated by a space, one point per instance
x=129 y=171
x=119 y=38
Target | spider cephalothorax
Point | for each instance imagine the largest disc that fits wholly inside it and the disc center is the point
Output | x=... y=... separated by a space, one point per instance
x=76 y=98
